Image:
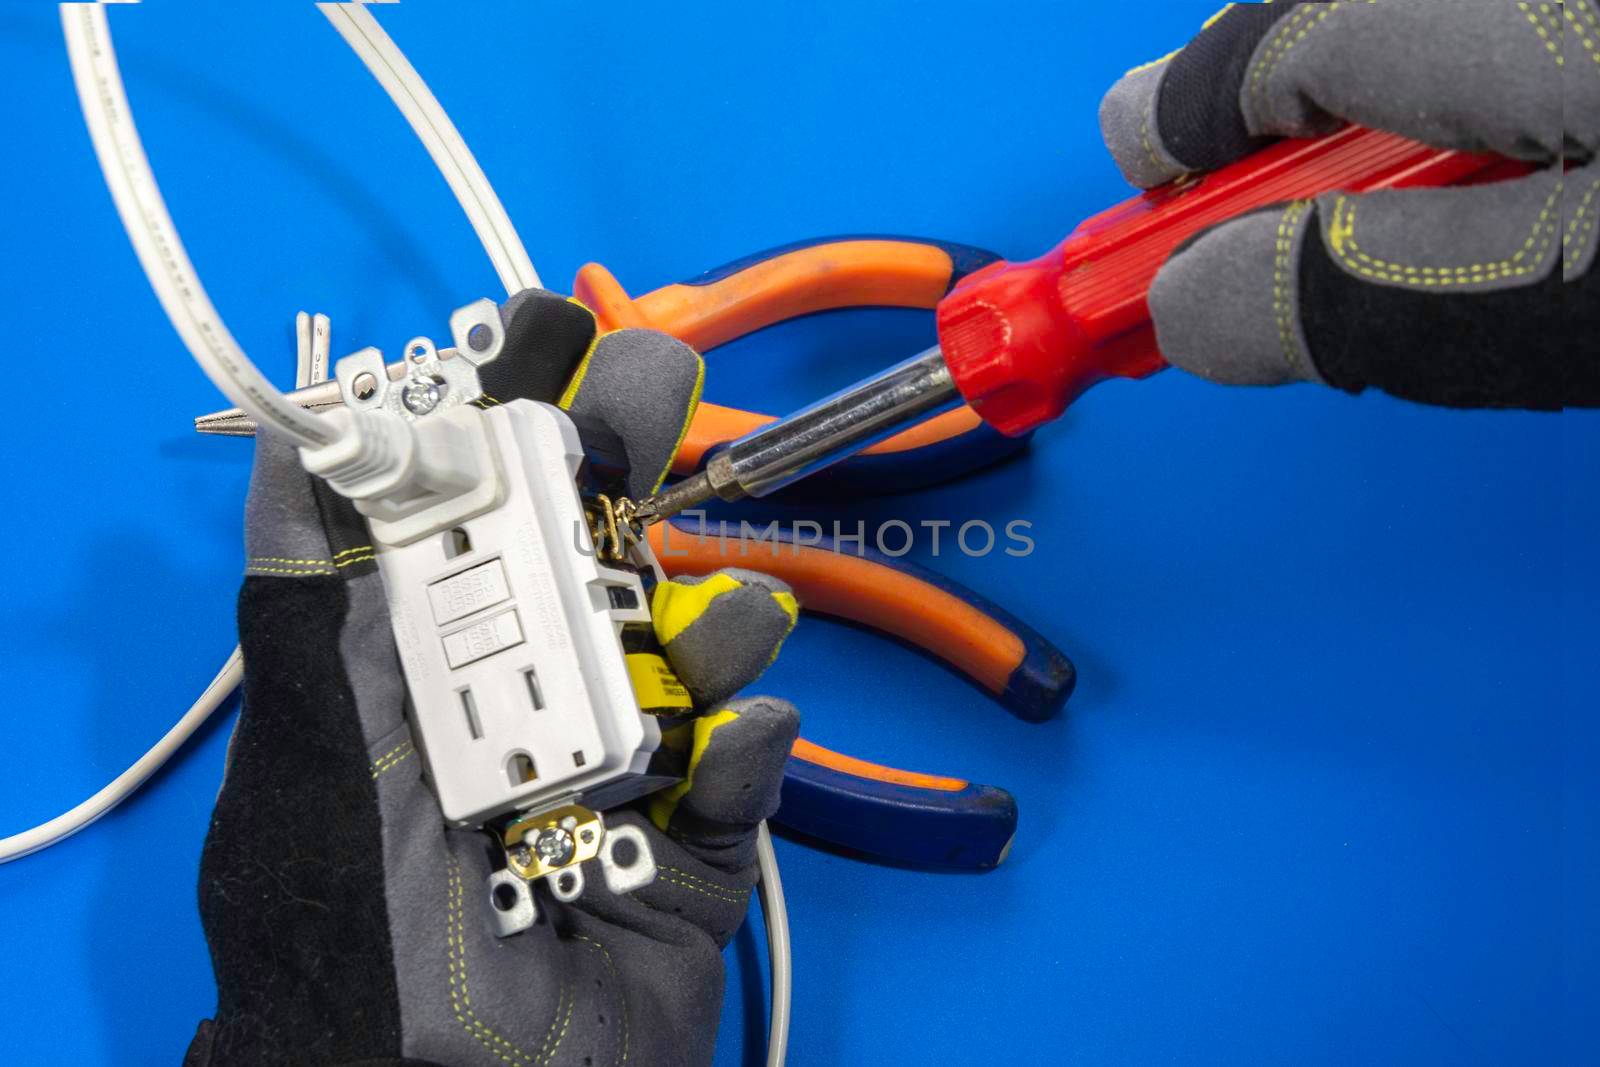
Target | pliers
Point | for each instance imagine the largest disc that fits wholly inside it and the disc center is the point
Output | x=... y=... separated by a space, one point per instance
x=798 y=279
x=901 y=816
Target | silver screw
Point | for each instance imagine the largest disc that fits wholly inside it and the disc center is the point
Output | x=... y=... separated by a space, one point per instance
x=554 y=846
x=422 y=395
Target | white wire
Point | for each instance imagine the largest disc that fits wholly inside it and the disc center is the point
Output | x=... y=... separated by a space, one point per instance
x=155 y=239
x=442 y=140
x=69 y=823
x=779 y=954
x=312 y=342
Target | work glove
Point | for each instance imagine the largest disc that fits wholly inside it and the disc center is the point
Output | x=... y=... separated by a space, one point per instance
x=347 y=925
x=1469 y=297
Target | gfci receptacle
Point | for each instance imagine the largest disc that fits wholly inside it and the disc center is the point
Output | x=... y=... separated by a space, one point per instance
x=509 y=629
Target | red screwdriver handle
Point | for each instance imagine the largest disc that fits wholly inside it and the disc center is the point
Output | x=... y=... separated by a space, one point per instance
x=1023 y=340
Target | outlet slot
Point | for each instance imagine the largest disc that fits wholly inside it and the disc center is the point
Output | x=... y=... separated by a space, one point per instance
x=579 y=759
x=470 y=707
x=534 y=692
x=457 y=543
x=520 y=769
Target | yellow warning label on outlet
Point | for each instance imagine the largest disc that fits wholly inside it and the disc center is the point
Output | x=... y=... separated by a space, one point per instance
x=655 y=684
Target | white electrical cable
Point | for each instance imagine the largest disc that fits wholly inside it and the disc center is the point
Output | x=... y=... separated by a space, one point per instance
x=69 y=823
x=442 y=140
x=776 y=914
x=155 y=239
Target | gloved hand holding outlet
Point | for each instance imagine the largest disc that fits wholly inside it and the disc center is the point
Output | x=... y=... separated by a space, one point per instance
x=347 y=922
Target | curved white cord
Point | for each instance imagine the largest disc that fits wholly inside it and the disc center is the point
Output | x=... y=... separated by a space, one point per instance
x=155 y=239
x=442 y=140
x=69 y=823
x=776 y=914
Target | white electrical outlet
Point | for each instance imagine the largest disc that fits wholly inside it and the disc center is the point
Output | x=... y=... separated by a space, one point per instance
x=509 y=632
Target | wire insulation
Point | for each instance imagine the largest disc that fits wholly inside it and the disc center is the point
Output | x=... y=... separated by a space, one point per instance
x=779 y=954
x=155 y=238
x=442 y=140
x=120 y=788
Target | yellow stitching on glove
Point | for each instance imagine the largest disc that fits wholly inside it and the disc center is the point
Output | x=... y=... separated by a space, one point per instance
x=725 y=898
x=674 y=607
x=302 y=572
x=1594 y=24
x=1575 y=243
x=461 y=994
x=1342 y=238
x=1280 y=45
x=1544 y=35
x=665 y=803
x=393 y=758
x=1281 y=304
x=1149 y=148
x=622 y=999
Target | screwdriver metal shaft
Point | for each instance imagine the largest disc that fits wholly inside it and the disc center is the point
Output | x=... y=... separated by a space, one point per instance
x=817 y=436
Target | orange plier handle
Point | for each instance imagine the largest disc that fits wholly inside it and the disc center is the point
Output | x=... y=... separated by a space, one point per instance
x=800 y=279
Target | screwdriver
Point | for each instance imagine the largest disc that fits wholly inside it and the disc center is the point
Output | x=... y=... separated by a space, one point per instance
x=1019 y=342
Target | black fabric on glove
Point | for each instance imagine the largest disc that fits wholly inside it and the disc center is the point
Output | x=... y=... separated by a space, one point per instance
x=1507 y=348
x=547 y=336
x=1197 y=114
x=299 y=851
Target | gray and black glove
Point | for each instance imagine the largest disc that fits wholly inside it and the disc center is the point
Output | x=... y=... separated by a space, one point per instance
x=1469 y=297
x=346 y=924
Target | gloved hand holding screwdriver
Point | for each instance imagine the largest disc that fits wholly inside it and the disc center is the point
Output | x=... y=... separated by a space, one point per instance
x=339 y=909
x=1469 y=297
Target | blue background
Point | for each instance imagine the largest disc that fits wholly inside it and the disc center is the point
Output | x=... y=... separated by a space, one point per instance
x=1322 y=795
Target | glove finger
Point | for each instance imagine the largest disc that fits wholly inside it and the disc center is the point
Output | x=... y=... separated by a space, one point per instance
x=732 y=774
x=1449 y=296
x=722 y=630
x=547 y=337
x=645 y=386
x=1480 y=76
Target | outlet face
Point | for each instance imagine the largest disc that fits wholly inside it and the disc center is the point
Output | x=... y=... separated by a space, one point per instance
x=508 y=628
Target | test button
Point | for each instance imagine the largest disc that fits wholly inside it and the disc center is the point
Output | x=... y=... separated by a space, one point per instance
x=483 y=638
